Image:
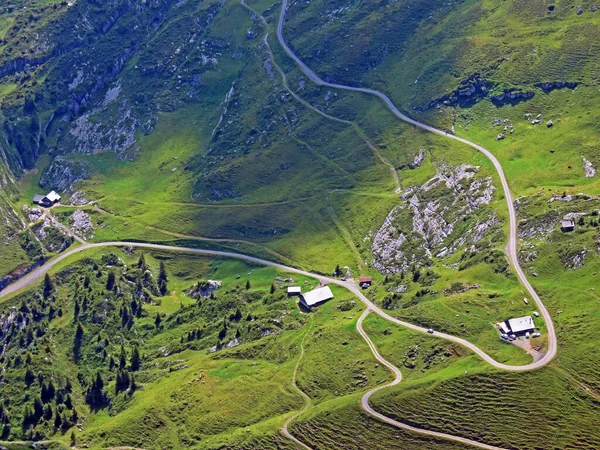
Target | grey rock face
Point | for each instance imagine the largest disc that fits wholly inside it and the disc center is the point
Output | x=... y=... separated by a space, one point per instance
x=435 y=219
x=588 y=168
x=62 y=174
x=81 y=224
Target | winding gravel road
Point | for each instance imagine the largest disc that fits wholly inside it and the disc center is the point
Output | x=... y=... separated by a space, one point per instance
x=511 y=251
x=511 y=246
x=37 y=274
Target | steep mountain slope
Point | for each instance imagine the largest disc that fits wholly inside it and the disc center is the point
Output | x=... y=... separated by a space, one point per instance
x=184 y=122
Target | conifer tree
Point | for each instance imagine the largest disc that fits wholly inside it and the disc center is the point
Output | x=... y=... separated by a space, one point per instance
x=122 y=358
x=110 y=281
x=142 y=263
x=29 y=377
x=48 y=286
x=78 y=341
x=163 y=279
x=135 y=359
x=132 y=384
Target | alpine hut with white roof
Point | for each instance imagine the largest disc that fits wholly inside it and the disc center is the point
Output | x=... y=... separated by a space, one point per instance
x=517 y=326
x=316 y=297
x=52 y=198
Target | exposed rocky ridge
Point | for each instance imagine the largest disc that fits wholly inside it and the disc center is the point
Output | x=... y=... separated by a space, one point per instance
x=475 y=89
x=435 y=219
x=85 y=43
x=552 y=85
x=62 y=174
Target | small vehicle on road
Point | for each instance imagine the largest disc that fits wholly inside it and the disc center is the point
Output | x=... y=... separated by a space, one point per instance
x=430 y=331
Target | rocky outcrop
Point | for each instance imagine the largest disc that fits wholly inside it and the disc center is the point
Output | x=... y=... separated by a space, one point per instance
x=549 y=86
x=475 y=88
x=574 y=260
x=79 y=198
x=417 y=160
x=203 y=289
x=82 y=225
x=588 y=168
x=52 y=238
x=511 y=96
x=434 y=220
x=469 y=91
x=62 y=174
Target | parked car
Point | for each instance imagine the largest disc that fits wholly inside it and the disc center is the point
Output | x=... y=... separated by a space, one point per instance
x=512 y=337
x=527 y=335
x=536 y=314
x=430 y=331
x=536 y=334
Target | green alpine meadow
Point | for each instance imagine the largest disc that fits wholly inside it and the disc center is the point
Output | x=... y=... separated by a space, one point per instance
x=315 y=225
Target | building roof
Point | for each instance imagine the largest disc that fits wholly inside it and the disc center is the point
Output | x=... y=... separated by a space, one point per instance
x=38 y=198
x=521 y=324
x=504 y=328
x=568 y=223
x=53 y=196
x=365 y=280
x=317 y=296
x=294 y=290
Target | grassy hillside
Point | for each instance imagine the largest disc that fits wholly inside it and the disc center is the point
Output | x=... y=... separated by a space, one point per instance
x=185 y=123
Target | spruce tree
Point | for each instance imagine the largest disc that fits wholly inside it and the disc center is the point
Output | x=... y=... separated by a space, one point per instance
x=77 y=342
x=135 y=359
x=122 y=358
x=157 y=320
x=132 y=384
x=48 y=286
x=248 y=285
x=29 y=377
x=38 y=408
x=110 y=281
x=163 y=279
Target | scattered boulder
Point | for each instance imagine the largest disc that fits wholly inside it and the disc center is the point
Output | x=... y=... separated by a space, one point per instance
x=588 y=168
x=203 y=289
x=81 y=224
x=33 y=214
x=418 y=160
x=79 y=198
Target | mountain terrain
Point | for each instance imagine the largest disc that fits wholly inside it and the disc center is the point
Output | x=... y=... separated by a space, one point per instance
x=185 y=123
